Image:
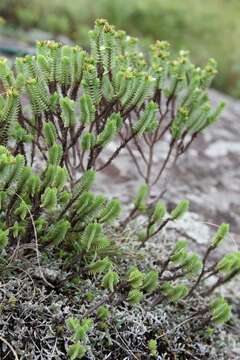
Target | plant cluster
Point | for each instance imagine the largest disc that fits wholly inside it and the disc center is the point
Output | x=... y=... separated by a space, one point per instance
x=59 y=111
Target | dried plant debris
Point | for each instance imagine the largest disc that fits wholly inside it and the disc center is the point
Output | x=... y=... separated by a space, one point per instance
x=33 y=320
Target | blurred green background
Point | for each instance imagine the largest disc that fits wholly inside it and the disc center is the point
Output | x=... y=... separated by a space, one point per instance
x=206 y=28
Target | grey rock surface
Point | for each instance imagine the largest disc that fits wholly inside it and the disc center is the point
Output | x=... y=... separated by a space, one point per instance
x=208 y=174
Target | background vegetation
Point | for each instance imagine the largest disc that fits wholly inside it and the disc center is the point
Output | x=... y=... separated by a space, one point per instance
x=211 y=30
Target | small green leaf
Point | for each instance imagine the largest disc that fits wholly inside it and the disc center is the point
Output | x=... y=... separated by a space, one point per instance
x=180 y=210
x=110 y=280
x=134 y=296
x=76 y=351
x=220 y=235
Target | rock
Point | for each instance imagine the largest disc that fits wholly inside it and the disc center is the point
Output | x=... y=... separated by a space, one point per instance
x=222 y=149
x=192 y=226
x=211 y=180
x=208 y=174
